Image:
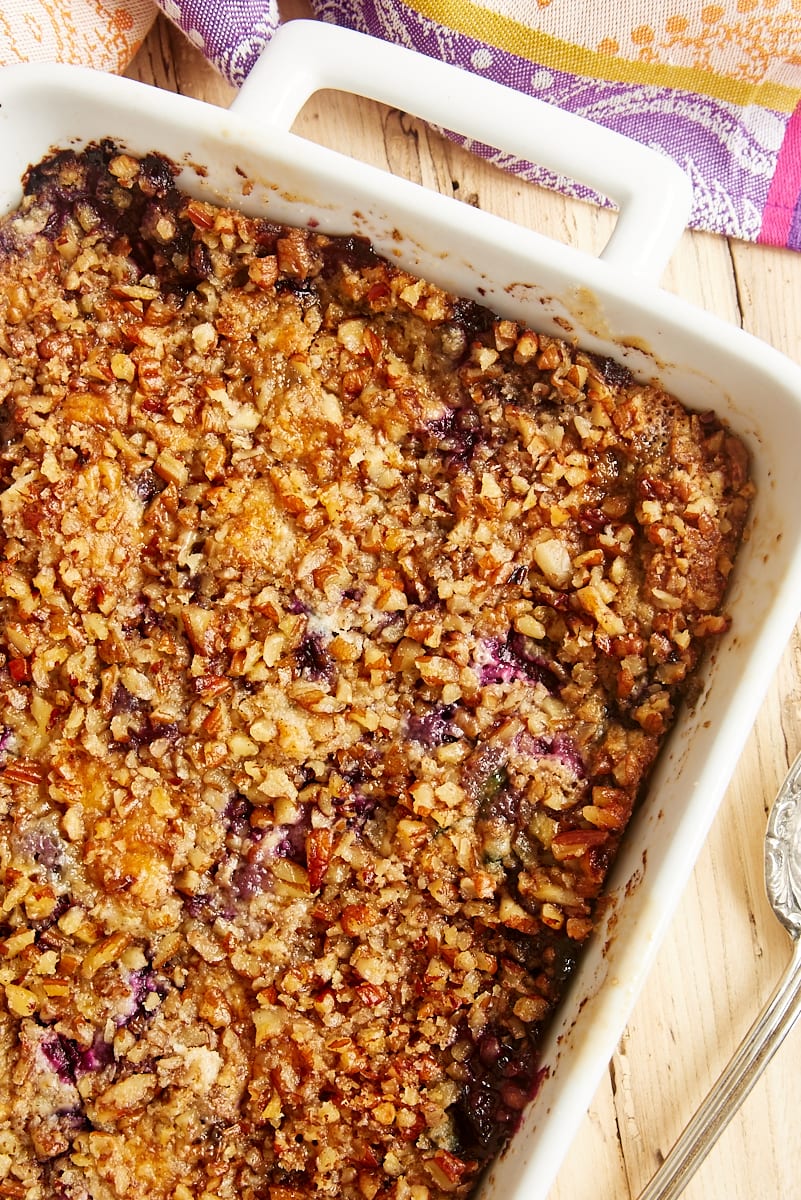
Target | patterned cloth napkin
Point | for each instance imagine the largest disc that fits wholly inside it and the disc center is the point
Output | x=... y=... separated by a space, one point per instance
x=714 y=83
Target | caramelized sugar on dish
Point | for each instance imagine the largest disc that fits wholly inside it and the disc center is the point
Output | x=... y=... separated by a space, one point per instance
x=341 y=625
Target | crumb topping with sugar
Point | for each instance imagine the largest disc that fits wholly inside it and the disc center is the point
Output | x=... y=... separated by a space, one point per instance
x=341 y=624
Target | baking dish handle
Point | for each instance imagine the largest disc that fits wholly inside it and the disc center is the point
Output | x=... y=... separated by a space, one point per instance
x=652 y=193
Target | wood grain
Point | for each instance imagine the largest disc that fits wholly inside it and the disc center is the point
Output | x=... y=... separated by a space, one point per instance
x=724 y=951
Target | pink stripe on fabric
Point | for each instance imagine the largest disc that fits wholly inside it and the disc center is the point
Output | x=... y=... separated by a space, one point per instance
x=784 y=195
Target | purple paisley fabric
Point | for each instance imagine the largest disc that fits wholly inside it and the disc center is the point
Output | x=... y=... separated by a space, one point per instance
x=230 y=33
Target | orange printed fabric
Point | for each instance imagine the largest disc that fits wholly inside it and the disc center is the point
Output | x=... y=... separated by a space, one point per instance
x=92 y=33
x=745 y=51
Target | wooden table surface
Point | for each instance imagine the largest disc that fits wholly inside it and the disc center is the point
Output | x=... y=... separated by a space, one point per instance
x=689 y=1019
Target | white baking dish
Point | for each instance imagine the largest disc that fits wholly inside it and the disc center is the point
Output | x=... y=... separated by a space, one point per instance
x=248 y=157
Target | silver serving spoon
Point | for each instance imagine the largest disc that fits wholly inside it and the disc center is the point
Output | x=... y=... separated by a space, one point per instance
x=783 y=885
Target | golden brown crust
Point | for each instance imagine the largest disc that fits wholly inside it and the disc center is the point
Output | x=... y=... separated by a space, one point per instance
x=341 y=625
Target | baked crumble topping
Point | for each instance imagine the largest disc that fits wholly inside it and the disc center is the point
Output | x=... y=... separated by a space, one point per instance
x=341 y=625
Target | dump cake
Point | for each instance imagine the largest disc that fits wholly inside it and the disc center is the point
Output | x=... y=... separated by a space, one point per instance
x=342 y=622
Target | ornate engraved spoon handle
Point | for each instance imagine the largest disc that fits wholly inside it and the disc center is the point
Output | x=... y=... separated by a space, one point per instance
x=783 y=885
x=750 y=1059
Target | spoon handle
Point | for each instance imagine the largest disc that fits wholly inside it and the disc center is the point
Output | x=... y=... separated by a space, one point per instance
x=750 y=1059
